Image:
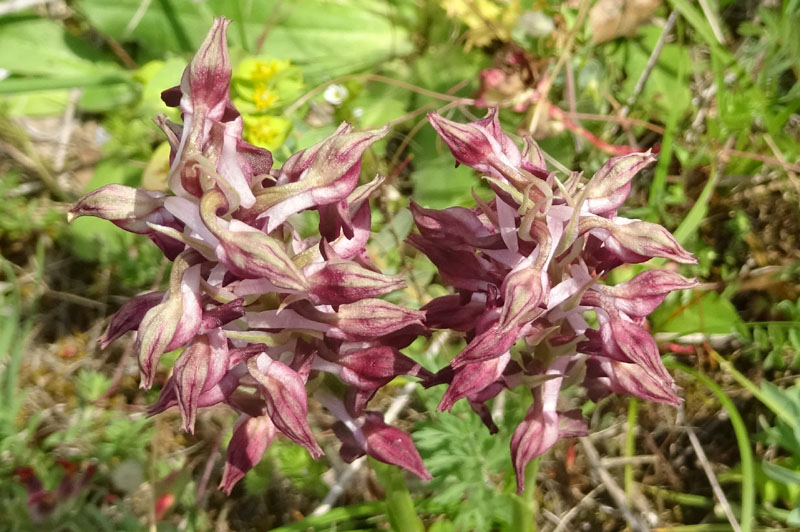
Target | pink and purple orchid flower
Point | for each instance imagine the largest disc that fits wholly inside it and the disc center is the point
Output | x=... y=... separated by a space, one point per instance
x=263 y=315
x=527 y=267
x=267 y=318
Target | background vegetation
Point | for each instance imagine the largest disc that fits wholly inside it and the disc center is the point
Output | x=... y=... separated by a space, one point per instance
x=713 y=85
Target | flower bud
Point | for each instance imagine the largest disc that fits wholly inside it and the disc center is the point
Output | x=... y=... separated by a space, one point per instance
x=171 y=323
x=287 y=404
x=490 y=344
x=481 y=145
x=248 y=252
x=532 y=438
x=611 y=184
x=336 y=282
x=604 y=376
x=129 y=316
x=390 y=445
x=201 y=365
x=644 y=293
x=119 y=204
x=329 y=178
x=207 y=78
x=449 y=312
x=457 y=227
x=470 y=379
x=372 y=367
x=370 y=318
x=634 y=240
x=252 y=437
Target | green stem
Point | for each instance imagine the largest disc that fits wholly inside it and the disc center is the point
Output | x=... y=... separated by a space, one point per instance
x=684 y=499
x=630 y=444
x=399 y=505
x=524 y=519
x=334 y=516
x=742 y=440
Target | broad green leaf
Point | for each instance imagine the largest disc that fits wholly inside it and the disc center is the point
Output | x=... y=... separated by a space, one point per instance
x=663 y=88
x=40 y=47
x=709 y=314
x=99 y=99
x=176 y=26
x=327 y=39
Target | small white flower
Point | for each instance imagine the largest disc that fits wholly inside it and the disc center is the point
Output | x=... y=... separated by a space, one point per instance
x=4 y=74
x=358 y=112
x=101 y=136
x=335 y=94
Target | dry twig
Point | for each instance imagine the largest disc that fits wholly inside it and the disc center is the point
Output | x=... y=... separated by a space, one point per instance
x=712 y=478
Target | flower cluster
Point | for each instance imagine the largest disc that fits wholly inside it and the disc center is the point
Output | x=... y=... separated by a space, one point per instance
x=264 y=316
x=526 y=267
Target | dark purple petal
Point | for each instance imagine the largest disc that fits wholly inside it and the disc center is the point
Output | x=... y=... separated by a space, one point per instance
x=366 y=368
x=129 y=316
x=472 y=378
x=251 y=438
x=391 y=445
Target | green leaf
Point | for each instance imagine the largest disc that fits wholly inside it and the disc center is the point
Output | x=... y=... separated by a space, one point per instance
x=177 y=26
x=90 y=384
x=780 y=473
x=709 y=314
x=105 y=98
x=438 y=184
x=664 y=88
x=794 y=517
x=36 y=46
x=44 y=103
x=328 y=38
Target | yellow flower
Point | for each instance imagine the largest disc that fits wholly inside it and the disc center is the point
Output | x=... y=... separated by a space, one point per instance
x=265 y=70
x=264 y=98
x=266 y=131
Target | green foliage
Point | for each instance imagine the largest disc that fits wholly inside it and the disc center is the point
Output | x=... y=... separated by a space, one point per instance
x=22 y=216
x=326 y=38
x=286 y=460
x=776 y=342
x=689 y=312
x=468 y=467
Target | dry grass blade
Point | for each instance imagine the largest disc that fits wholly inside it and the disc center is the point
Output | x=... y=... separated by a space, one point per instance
x=636 y=522
x=712 y=478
